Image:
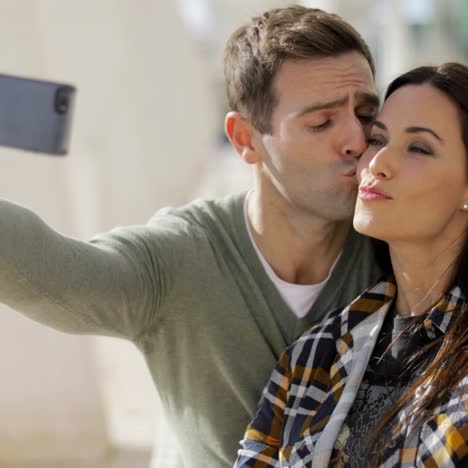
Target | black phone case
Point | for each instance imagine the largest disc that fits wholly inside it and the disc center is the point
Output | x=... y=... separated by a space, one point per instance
x=35 y=115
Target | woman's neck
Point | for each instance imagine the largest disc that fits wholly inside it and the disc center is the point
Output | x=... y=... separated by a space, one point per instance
x=423 y=273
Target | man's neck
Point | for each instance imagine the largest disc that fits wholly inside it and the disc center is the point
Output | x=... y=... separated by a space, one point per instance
x=299 y=247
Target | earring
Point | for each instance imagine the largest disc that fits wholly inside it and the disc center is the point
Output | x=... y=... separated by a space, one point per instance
x=465 y=206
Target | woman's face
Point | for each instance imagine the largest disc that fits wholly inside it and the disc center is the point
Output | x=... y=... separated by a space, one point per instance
x=412 y=178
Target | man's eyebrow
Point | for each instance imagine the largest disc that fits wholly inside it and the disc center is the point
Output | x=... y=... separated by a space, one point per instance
x=361 y=98
x=381 y=125
x=368 y=98
x=323 y=105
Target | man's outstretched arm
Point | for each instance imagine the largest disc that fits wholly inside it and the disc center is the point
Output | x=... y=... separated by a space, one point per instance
x=106 y=286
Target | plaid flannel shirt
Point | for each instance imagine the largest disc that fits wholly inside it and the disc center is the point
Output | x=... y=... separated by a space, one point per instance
x=312 y=389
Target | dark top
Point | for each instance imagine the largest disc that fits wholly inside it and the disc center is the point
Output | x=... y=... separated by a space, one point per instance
x=394 y=365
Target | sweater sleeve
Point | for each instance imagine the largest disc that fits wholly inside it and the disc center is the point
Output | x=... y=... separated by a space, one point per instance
x=112 y=285
x=262 y=440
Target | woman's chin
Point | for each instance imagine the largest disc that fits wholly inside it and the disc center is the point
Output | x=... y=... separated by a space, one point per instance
x=369 y=227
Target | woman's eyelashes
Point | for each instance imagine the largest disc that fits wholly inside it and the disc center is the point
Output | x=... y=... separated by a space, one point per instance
x=379 y=141
x=421 y=148
x=376 y=140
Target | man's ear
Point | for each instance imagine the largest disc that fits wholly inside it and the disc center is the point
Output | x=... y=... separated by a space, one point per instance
x=240 y=132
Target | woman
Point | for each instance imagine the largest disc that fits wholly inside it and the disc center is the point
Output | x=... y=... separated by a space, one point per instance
x=384 y=381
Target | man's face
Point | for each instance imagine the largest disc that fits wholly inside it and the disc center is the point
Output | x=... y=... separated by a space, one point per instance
x=319 y=124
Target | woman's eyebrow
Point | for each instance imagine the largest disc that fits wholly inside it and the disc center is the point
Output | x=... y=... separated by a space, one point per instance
x=413 y=129
x=379 y=124
x=424 y=129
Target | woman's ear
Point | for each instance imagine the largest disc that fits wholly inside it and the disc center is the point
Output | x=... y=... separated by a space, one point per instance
x=464 y=205
x=241 y=133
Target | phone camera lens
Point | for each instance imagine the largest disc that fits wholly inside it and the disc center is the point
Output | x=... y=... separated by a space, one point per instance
x=62 y=100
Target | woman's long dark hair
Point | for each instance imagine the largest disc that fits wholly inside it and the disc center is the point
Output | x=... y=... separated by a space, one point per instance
x=450 y=364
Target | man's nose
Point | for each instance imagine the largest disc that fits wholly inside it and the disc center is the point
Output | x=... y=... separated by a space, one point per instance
x=354 y=141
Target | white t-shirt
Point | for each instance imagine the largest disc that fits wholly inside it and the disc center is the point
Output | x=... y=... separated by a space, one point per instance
x=299 y=297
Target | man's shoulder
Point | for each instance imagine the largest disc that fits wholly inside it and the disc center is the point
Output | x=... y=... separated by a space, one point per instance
x=214 y=224
x=180 y=230
x=204 y=210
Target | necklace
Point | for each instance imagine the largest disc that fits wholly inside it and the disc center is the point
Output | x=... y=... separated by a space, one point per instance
x=443 y=275
x=411 y=311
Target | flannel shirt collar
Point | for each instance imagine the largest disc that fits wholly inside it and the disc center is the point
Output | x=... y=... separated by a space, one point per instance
x=444 y=313
x=440 y=316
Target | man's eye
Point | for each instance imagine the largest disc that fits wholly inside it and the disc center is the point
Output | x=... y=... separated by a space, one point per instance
x=320 y=126
x=366 y=118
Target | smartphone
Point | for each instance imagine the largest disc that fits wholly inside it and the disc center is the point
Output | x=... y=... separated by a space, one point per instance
x=35 y=115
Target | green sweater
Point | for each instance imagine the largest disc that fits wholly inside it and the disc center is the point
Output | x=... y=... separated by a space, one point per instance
x=189 y=290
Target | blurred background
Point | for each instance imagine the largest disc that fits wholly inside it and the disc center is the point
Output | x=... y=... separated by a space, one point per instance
x=147 y=133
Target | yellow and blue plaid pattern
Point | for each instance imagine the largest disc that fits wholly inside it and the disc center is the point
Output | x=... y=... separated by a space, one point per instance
x=311 y=390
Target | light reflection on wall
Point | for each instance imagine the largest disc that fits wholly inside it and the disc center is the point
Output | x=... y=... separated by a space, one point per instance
x=198 y=15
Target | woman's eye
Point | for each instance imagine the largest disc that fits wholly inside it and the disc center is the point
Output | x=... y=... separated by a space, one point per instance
x=421 y=149
x=375 y=141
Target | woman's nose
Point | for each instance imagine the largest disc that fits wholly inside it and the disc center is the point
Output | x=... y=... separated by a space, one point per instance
x=380 y=166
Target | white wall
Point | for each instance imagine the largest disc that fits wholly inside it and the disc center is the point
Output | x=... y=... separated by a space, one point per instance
x=142 y=133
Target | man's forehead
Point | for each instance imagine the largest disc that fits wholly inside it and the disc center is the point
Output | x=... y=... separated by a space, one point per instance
x=329 y=78
x=350 y=65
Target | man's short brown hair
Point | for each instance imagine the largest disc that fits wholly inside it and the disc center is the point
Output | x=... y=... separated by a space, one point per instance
x=255 y=51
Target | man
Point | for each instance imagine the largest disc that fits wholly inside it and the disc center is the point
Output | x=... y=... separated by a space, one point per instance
x=212 y=292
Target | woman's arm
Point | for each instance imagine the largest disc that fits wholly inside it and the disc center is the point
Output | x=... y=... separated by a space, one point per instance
x=261 y=446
